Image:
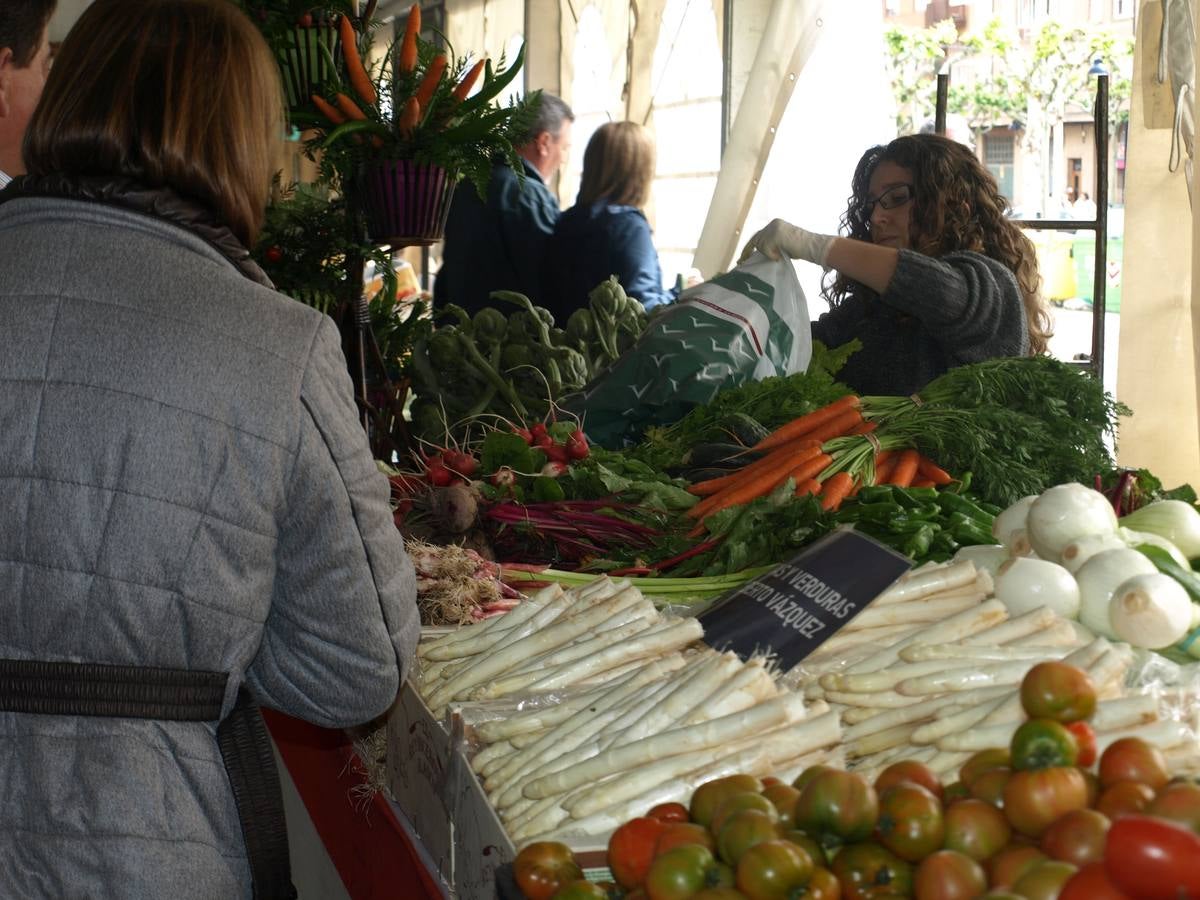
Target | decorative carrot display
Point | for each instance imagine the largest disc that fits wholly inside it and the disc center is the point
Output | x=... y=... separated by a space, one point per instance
x=407 y=60
x=835 y=489
x=409 y=116
x=433 y=76
x=464 y=87
x=359 y=80
x=802 y=426
x=349 y=108
x=327 y=109
x=906 y=468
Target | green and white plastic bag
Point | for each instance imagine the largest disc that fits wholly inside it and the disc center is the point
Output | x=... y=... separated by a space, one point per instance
x=746 y=325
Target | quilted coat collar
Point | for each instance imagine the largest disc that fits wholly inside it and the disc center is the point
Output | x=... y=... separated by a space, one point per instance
x=159 y=202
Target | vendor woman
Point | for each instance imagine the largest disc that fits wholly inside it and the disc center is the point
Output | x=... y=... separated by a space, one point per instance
x=931 y=274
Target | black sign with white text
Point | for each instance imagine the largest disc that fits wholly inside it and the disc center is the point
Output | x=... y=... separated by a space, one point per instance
x=797 y=606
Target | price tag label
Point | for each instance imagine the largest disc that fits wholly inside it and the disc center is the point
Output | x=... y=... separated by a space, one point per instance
x=797 y=606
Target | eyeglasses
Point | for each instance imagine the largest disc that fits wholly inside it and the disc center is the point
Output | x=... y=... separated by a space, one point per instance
x=893 y=198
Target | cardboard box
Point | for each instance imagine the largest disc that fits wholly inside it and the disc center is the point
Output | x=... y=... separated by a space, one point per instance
x=417 y=759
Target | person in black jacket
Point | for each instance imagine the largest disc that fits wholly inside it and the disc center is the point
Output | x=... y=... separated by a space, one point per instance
x=930 y=274
x=24 y=65
x=606 y=233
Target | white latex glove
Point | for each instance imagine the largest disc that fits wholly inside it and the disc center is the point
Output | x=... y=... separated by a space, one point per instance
x=781 y=238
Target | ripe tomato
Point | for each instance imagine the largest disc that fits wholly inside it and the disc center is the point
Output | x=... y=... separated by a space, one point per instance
x=678 y=874
x=1147 y=857
x=676 y=834
x=910 y=821
x=783 y=797
x=707 y=797
x=1179 y=802
x=717 y=893
x=668 y=812
x=543 y=867
x=837 y=806
x=773 y=870
x=1044 y=881
x=1077 y=837
x=736 y=803
x=274 y=254
x=809 y=774
x=823 y=885
x=1085 y=740
x=1033 y=800
x=949 y=875
x=1011 y=863
x=580 y=889
x=1042 y=743
x=869 y=870
x=1058 y=691
x=743 y=830
x=954 y=792
x=976 y=828
x=1132 y=759
x=1125 y=797
x=810 y=846
x=631 y=849
x=909 y=770
x=1091 y=883
x=980 y=762
x=989 y=786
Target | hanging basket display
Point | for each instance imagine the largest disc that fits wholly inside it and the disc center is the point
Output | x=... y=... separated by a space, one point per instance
x=406 y=203
x=304 y=58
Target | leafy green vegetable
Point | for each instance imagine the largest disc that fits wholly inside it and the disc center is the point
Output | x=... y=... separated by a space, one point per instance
x=503 y=448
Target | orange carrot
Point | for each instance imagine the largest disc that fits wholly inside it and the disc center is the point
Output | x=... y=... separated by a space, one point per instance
x=327 y=109
x=928 y=469
x=923 y=483
x=883 y=470
x=780 y=463
x=408 y=46
x=906 y=468
x=806 y=423
x=805 y=488
x=810 y=469
x=409 y=116
x=468 y=82
x=349 y=108
x=760 y=486
x=359 y=80
x=835 y=489
x=883 y=456
x=713 y=485
x=863 y=428
x=433 y=75
x=836 y=427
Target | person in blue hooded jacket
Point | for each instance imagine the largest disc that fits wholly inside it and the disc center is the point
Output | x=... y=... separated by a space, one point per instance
x=606 y=233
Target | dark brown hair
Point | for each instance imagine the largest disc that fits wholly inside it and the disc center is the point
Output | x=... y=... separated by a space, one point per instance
x=956 y=206
x=183 y=94
x=22 y=24
x=618 y=166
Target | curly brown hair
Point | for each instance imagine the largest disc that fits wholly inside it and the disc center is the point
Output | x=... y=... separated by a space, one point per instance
x=956 y=206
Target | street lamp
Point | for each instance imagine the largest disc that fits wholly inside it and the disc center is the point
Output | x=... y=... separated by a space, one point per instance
x=1097 y=68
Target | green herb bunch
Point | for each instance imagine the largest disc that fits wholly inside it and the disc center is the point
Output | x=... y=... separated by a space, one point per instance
x=277 y=19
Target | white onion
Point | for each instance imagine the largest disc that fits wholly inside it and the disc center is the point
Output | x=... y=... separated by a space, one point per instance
x=1023 y=584
x=1151 y=611
x=1099 y=578
x=1065 y=513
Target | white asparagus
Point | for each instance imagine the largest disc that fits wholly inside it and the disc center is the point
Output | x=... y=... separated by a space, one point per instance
x=929 y=609
x=512 y=812
x=923 y=583
x=472 y=633
x=620 y=671
x=963 y=678
x=535 y=718
x=1109 y=668
x=918 y=711
x=848 y=638
x=1125 y=712
x=679 y=634
x=1165 y=734
x=785 y=708
x=489 y=754
x=886 y=679
x=959 y=626
x=690 y=692
x=940 y=653
x=505 y=655
x=1012 y=629
x=944 y=762
x=521 y=741
x=980 y=737
x=933 y=732
x=873 y=699
x=789 y=770
x=896 y=736
x=749 y=686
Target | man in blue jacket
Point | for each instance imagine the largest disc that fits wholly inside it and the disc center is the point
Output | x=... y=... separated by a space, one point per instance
x=498 y=245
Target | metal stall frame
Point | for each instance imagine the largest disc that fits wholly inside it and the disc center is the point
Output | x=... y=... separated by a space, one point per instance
x=1098 y=225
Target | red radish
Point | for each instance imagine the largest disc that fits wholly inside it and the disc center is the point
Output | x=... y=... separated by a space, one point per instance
x=538 y=431
x=525 y=434
x=555 y=452
x=577 y=445
x=439 y=475
x=554 y=469
x=504 y=477
x=462 y=463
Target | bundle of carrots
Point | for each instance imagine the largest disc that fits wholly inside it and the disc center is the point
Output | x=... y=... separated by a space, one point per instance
x=829 y=453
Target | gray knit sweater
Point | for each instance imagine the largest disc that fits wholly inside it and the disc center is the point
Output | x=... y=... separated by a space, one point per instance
x=935 y=314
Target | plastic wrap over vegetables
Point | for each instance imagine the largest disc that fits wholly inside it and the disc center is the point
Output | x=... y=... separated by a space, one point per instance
x=747 y=324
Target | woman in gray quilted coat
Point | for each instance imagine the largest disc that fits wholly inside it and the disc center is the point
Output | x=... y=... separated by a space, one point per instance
x=190 y=512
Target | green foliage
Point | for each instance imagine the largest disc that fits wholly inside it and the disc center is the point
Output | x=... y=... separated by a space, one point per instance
x=913 y=58
x=277 y=18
